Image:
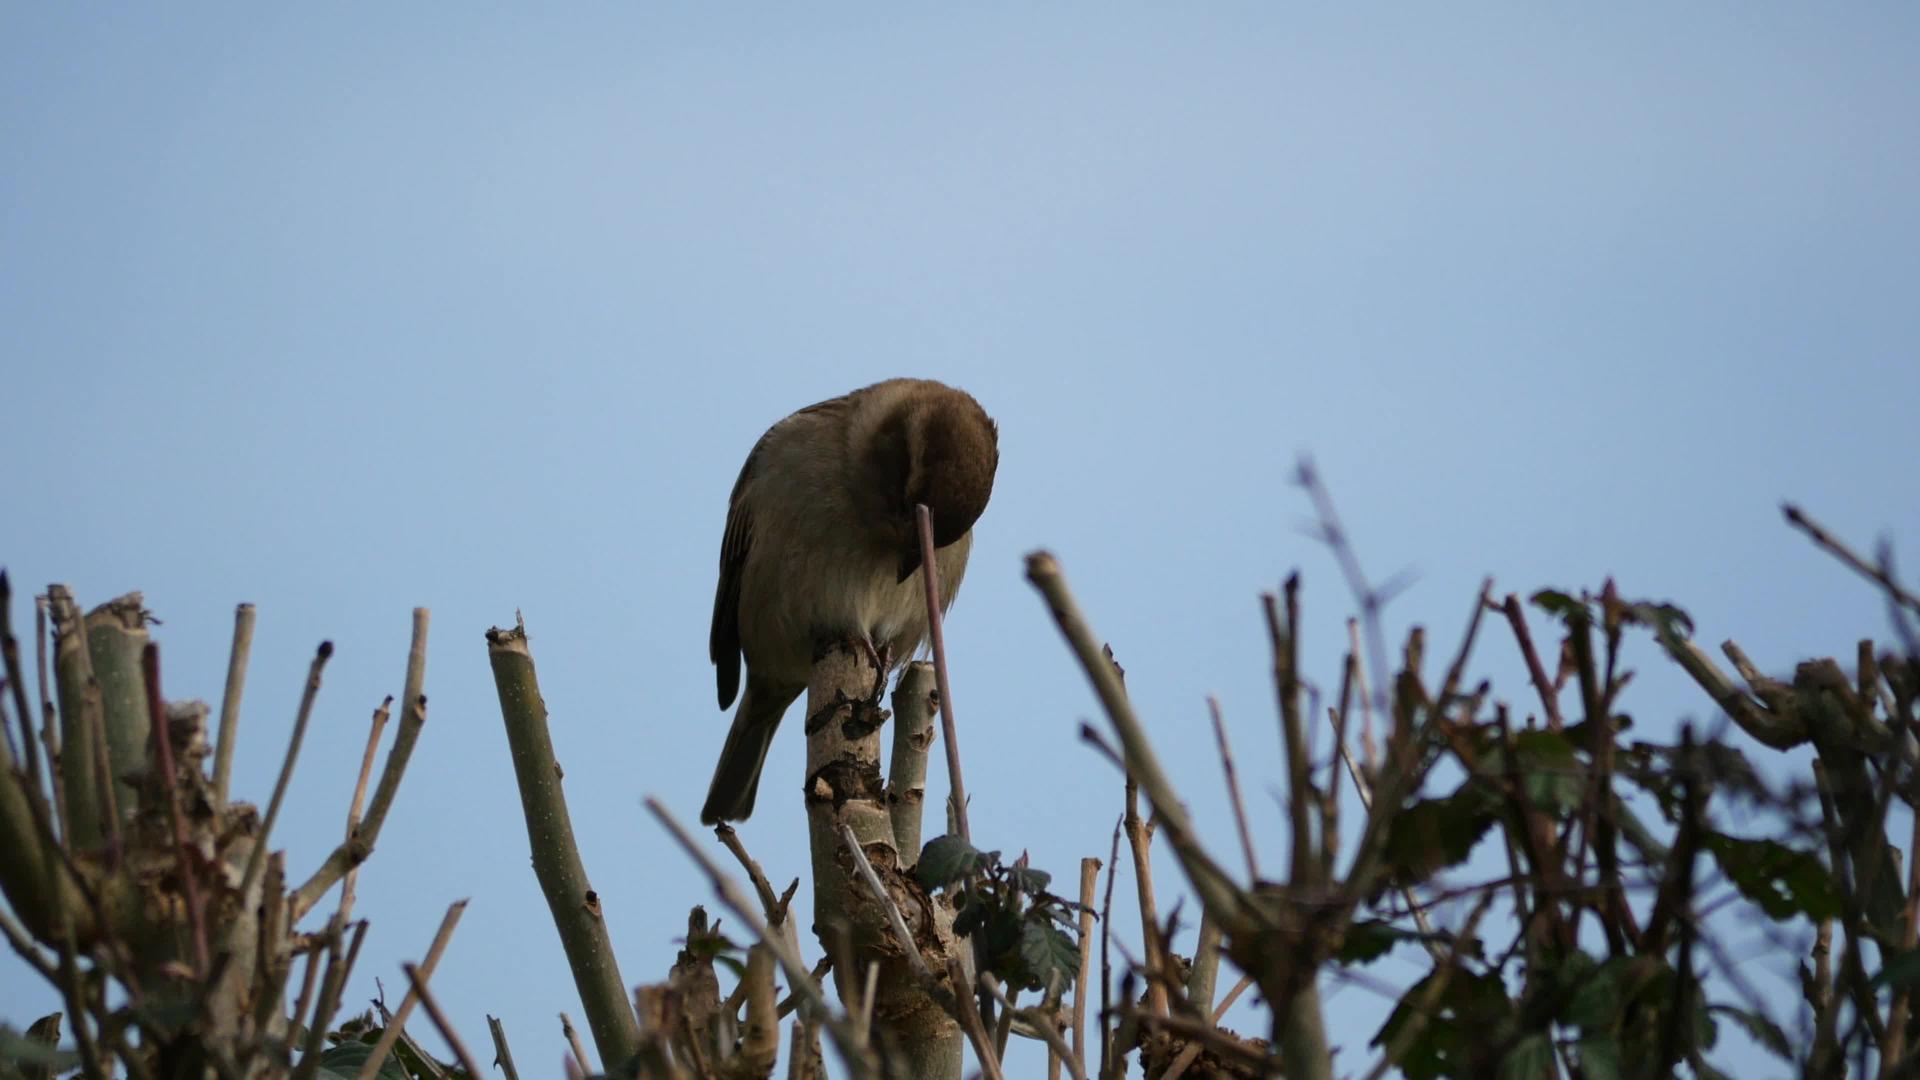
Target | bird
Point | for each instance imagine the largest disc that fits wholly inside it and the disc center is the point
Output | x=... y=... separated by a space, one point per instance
x=821 y=543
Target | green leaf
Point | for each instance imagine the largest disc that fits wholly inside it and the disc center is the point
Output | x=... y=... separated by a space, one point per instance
x=1599 y=1057
x=1556 y=780
x=1666 y=620
x=1433 y=834
x=1561 y=605
x=343 y=1062
x=167 y=1010
x=1045 y=950
x=1595 y=1004
x=1530 y=1058
x=1580 y=732
x=1899 y=970
x=30 y=1052
x=945 y=859
x=1783 y=881
x=1759 y=1029
x=1472 y=1017
x=1028 y=880
x=710 y=945
x=1368 y=940
x=1002 y=930
x=969 y=918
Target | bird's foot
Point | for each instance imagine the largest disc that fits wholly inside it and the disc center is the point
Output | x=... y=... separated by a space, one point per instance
x=882 y=659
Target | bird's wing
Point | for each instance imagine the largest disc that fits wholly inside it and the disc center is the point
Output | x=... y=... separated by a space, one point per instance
x=723 y=641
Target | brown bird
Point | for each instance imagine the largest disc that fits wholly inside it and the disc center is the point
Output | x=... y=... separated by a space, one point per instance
x=821 y=544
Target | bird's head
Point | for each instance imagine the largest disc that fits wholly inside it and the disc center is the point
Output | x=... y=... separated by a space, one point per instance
x=942 y=450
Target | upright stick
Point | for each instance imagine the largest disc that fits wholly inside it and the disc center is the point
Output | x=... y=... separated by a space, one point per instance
x=930 y=574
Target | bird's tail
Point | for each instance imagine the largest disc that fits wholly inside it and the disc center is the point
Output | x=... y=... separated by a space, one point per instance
x=736 y=778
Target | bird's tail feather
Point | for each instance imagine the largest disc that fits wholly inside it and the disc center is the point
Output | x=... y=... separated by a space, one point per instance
x=736 y=779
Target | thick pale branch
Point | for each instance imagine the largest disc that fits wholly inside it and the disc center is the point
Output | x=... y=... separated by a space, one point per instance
x=577 y=913
x=913 y=707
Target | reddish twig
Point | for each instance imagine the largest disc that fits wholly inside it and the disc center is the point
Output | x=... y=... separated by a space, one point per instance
x=1549 y=698
x=183 y=851
x=1838 y=550
x=930 y=576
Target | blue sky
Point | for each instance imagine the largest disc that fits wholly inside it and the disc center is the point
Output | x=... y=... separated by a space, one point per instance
x=345 y=311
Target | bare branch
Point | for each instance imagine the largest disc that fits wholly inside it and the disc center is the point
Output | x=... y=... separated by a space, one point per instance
x=418 y=988
x=930 y=575
x=243 y=616
x=398 y=1023
x=1839 y=550
x=257 y=861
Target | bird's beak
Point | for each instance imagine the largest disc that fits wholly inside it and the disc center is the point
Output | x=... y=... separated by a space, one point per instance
x=909 y=562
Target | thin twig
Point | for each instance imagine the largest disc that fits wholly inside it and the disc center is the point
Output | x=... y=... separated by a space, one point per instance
x=1089 y=877
x=50 y=726
x=1371 y=600
x=22 y=943
x=1233 y=995
x=1233 y=790
x=230 y=702
x=930 y=576
x=1369 y=748
x=1893 y=1048
x=742 y=907
x=971 y=1023
x=378 y=726
x=770 y=903
x=1281 y=634
x=1549 y=698
x=1140 y=842
x=420 y=990
x=1106 y=940
x=258 y=860
x=1839 y=550
x=1041 y=1024
x=1219 y=1040
x=1430 y=997
x=1178 y=1067
x=1330 y=803
x=1365 y=791
x=902 y=936
x=309 y=982
x=413 y=718
x=17 y=682
x=502 y=1055
x=573 y=1040
x=1003 y=1027
x=331 y=985
x=1213 y=885
x=394 y=1027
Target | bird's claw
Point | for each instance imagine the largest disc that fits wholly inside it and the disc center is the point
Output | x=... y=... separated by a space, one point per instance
x=882 y=660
